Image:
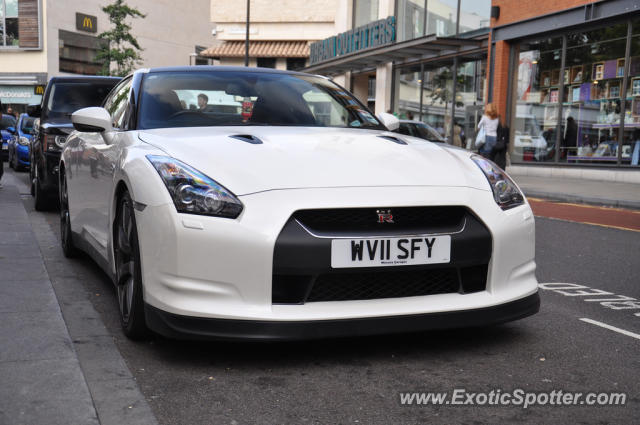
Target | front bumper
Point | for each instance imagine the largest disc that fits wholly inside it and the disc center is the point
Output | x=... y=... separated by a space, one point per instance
x=186 y=327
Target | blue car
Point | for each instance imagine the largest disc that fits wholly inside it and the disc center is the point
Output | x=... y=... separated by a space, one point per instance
x=7 y=130
x=19 y=154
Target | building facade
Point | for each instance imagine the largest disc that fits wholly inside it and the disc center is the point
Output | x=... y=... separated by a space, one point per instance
x=566 y=79
x=279 y=32
x=43 y=39
x=421 y=59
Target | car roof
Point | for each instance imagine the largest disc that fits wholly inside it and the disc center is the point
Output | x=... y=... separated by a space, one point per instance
x=209 y=68
x=84 y=79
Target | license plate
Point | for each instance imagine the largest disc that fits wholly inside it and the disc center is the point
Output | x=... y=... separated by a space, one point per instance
x=390 y=251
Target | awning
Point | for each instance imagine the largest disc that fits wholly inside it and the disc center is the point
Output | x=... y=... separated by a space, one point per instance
x=262 y=49
x=402 y=53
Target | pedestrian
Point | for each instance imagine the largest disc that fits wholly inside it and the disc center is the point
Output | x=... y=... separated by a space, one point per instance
x=570 y=137
x=499 y=151
x=457 y=140
x=489 y=123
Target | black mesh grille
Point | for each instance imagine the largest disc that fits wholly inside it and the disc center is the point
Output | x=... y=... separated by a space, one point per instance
x=442 y=218
x=373 y=285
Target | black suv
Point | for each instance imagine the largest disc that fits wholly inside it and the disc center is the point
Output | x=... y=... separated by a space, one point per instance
x=62 y=97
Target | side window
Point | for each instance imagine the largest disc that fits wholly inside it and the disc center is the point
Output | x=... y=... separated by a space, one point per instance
x=117 y=102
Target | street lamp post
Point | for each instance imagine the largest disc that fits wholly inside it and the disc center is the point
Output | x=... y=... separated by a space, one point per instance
x=246 y=39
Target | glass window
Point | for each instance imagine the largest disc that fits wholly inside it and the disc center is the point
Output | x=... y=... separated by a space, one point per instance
x=296 y=64
x=117 y=104
x=248 y=98
x=437 y=97
x=266 y=62
x=411 y=19
x=469 y=99
x=631 y=146
x=535 y=115
x=408 y=82
x=364 y=11
x=591 y=114
x=441 y=17
x=9 y=23
x=474 y=15
x=66 y=98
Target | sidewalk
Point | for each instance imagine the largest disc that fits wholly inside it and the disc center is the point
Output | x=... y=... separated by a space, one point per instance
x=608 y=193
x=58 y=363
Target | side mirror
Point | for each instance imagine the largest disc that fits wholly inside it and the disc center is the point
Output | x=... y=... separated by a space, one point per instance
x=34 y=110
x=91 y=120
x=389 y=121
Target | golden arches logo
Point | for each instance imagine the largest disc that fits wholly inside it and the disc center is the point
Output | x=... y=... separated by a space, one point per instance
x=86 y=23
x=39 y=90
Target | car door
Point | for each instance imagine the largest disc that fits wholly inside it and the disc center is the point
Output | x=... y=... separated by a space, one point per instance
x=100 y=152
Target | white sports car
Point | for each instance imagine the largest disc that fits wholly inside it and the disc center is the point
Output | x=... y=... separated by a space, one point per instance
x=261 y=204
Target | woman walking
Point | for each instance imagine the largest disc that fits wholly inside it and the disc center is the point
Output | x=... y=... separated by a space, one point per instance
x=490 y=124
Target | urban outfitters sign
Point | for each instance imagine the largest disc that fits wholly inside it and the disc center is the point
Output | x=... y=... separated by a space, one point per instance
x=375 y=34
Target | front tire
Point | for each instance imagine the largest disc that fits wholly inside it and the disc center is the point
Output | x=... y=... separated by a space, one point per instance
x=66 y=237
x=43 y=203
x=128 y=270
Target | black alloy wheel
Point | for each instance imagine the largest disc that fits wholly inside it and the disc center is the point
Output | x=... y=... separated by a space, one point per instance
x=128 y=271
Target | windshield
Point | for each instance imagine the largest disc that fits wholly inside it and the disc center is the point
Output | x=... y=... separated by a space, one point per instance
x=66 y=98
x=27 y=125
x=241 y=98
x=7 y=121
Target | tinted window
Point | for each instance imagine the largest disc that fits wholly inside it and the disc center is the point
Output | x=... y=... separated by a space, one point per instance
x=66 y=98
x=427 y=132
x=225 y=98
x=27 y=125
x=7 y=121
x=117 y=103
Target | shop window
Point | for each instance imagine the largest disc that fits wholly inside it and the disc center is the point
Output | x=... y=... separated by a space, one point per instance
x=266 y=62
x=364 y=11
x=296 y=64
x=474 y=15
x=19 y=25
x=408 y=83
x=631 y=145
x=534 y=124
x=469 y=99
x=592 y=102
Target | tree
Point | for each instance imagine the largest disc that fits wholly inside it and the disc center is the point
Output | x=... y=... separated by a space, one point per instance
x=118 y=44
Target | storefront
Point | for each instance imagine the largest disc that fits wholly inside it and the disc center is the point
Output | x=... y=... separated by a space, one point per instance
x=573 y=96
x=19 y=91
x=425 y=60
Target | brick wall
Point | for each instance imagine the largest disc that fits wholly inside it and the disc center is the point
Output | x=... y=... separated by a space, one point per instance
x=513 y=11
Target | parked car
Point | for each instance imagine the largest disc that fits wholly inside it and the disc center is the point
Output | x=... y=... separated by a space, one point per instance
x=62 y=96
x=298 y=215
x=19 y=155
x=420 y=130
x=7 y=131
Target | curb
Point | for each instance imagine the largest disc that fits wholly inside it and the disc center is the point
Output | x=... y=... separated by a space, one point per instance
x=554 y=196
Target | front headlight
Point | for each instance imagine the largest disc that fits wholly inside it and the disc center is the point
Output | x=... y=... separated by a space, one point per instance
x=23 y=141
x=193 y=192
x=505 y=191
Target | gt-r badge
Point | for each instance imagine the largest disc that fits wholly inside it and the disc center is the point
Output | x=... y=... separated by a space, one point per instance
x=384 y=216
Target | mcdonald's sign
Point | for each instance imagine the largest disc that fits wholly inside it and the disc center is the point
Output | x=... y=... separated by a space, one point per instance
x=86 y=23
x=39 y=89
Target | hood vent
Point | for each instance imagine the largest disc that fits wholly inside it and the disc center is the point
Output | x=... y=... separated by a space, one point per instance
x=394 y=139
x=247 y=138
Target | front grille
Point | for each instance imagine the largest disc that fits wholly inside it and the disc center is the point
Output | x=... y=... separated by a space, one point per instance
x=393 y=284
x=405 y=219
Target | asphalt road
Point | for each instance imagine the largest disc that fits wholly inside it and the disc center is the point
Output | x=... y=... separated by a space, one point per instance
x=564 y=347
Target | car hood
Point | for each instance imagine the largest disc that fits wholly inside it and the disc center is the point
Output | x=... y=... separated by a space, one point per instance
x=303 y=157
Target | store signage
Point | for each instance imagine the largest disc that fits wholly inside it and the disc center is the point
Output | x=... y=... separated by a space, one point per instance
x=39 y=89
x=11 y=93
x=86 y=23
x=374 y=34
